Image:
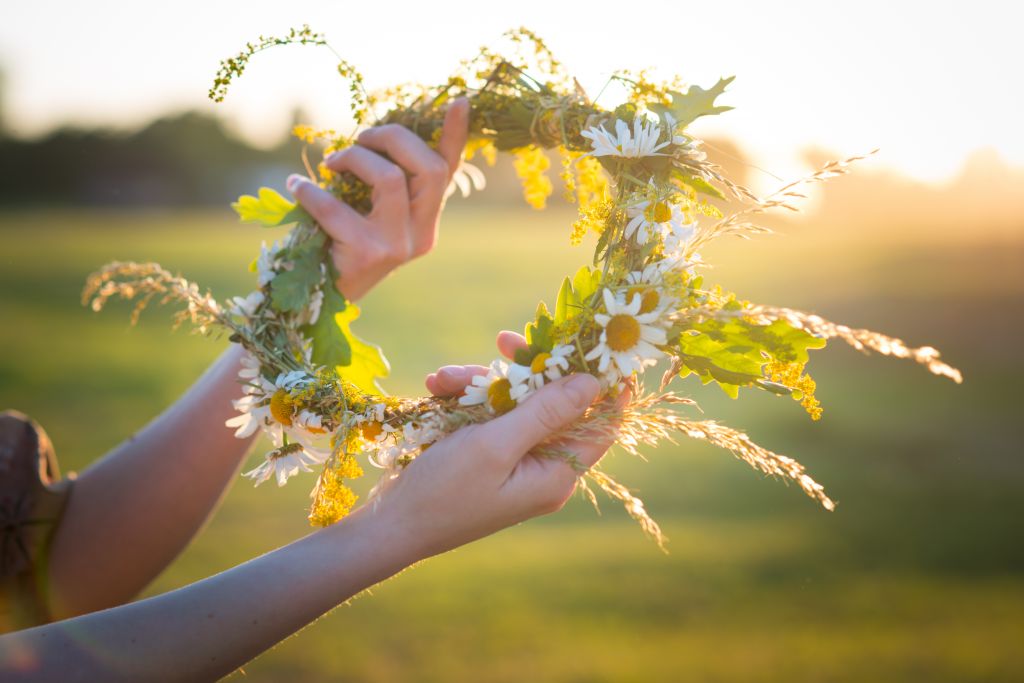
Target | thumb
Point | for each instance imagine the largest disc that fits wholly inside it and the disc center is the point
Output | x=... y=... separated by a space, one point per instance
x=550 y=410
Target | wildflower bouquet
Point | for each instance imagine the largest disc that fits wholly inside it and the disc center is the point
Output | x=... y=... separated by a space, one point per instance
x=643 y=187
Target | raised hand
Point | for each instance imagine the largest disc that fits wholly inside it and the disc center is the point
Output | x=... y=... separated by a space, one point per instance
x=408 y=192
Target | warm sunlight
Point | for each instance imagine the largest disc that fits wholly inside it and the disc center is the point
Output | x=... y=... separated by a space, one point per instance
x=926 y=82
x=541 y=372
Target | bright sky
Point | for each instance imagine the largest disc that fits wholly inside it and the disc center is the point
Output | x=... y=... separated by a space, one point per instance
x=927 y=81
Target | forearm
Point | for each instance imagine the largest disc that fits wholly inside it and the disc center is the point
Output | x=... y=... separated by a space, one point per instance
x=134 y=510
x=210 y=628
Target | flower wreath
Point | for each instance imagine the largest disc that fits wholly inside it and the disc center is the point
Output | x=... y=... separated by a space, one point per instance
x=642 y=184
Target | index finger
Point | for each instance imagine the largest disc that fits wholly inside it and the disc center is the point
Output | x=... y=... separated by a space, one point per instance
x=454 y=133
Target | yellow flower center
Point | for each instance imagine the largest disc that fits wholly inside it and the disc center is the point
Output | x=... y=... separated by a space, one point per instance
x=538 y=362
x=281 y=407
x=648 y=297
x=499 y=396
x=623 y=332
x=659 y=212
x=371 y=430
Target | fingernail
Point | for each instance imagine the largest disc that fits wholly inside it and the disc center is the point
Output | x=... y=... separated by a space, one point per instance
x=293 y=182
x=582 y=389
x=452 y=372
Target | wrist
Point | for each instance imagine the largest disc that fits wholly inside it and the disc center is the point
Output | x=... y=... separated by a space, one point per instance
x=378 y=537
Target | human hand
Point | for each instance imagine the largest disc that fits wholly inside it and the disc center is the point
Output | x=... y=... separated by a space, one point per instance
x=408 y=193
x=484 y=477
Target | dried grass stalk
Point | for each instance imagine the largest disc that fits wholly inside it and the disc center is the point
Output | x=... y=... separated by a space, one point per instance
x=650 y=418
x=739 y=224
x=860 y=339
x=145 y=281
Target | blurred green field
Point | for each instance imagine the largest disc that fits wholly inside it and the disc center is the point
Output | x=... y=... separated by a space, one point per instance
x=918 y=576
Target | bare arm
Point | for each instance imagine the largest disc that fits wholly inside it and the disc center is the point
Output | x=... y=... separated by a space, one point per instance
x=132 y=513
x=208 y=629
x=468 y=485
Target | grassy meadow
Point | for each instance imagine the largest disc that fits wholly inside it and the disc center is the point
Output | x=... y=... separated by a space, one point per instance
x=917 y=576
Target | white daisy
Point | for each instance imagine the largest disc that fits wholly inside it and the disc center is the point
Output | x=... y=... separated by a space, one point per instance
x=651 y=274
x=251 y=415
x=293 y=379
x=267 y=262
x=410 y=438
x=247 y=306
x=670 y=123
x=648 y=219
x=646 y=284
x=285 y=461
x=417 y=435
x=688 y=148
x=374 y=413
x=266 y=405
x=250 y=367
x=316 y=302
x=628 y=338
x=677 y=238
x=500 y=389
x=549 y=366
x=312 y=423
x=385 y=457
x=670 y=263
x=467 y=177
x=642 y=141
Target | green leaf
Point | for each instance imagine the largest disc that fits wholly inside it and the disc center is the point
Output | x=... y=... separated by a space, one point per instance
x=734 y=352
x=269 y=209
x=524 y=356
x=574 y=294
x=722 y=352
x=368 y=361
x=727 y=346
x=290 y=290
x=538 y=333
x=785 y=342
x=586 y=282
x=562 y=303
x=695 y=102
x=330 y=346
x=698 y=184
x=538 y=336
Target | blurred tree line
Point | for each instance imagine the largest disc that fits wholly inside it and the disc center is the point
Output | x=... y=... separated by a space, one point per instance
x=192 y=158
x=183 y=159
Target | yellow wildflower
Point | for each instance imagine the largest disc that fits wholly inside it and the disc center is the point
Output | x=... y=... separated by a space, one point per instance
x=791 y=374
x=591 y=182
x=309 y=134
x=486 y=149
x=591 y=217
x=567 y=175
x=332 y=498
x=305 y=133
x=530 y=164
